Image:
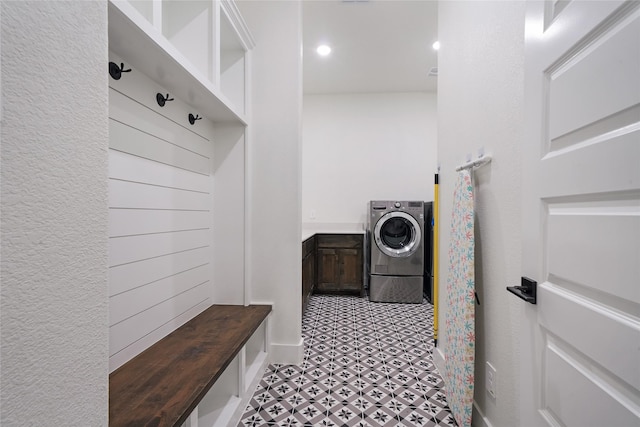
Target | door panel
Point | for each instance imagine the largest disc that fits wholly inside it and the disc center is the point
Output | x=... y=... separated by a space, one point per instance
x=593 y=329
x=599 y=164
x=328 y=269
x=581 y=214
x=582 y=241
x=609 y=57
x=575 y=395
x=350 y=261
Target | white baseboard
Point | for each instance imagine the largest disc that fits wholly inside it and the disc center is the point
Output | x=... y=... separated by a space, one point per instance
x=438 y=360
x=287 y=354
x=478 y=419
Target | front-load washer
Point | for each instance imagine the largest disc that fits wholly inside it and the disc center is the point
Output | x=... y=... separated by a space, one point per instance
x=396 y=254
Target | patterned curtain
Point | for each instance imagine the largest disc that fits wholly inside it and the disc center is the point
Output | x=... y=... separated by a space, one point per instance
x=459 y=348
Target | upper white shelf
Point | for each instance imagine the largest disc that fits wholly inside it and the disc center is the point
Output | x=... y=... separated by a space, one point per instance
x=143 y=46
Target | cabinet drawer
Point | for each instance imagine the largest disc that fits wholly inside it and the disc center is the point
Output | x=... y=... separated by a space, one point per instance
x=349 y=241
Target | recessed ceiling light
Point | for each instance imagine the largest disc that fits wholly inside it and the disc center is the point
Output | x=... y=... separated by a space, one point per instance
x=436 y=45
x=323 y=50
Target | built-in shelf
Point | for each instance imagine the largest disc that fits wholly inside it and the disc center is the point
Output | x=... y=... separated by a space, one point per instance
x=198 y=372
x=188 y=26
x=235 y=42
x=220 y=403
x=145 y=7
x=255 y=355
x=198 y=52
x=179 y=53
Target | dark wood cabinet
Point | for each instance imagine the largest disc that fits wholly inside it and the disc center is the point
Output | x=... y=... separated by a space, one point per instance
x=327 y=269
x=339 y=260
x=332 y=264
x=308 y=269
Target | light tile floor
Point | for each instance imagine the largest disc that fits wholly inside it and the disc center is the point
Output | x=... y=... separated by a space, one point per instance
x=365 y=364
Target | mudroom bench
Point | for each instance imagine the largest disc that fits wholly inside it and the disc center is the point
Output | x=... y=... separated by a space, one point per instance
x=190 y=376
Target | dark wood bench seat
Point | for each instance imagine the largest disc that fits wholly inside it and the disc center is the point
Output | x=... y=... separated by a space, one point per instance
x=165 y=383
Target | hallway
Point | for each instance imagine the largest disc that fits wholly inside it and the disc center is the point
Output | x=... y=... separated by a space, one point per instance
x=365 y=364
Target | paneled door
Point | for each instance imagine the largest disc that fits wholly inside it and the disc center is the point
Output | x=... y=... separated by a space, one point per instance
x=580 y=345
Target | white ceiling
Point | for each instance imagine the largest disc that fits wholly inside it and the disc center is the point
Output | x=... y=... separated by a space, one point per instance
x=377 y=45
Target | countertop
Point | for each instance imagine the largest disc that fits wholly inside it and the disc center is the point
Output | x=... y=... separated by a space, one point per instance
x=311 y=228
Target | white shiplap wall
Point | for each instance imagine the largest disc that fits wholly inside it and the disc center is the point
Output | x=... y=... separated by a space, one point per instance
x=160 y=215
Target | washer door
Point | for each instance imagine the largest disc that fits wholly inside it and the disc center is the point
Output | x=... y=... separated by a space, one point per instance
x=397 y=234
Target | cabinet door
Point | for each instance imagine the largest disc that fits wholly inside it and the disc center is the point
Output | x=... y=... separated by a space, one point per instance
x=350 y=261
x=328 y=270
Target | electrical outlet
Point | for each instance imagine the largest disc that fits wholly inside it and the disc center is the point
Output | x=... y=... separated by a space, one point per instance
x=491 y=380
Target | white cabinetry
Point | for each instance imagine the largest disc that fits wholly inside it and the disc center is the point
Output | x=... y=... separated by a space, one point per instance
x=198 y=52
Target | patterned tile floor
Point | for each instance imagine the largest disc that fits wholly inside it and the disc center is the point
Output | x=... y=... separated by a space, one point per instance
x=365 y=364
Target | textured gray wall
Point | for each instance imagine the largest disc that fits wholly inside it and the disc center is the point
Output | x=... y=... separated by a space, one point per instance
x=53 y=277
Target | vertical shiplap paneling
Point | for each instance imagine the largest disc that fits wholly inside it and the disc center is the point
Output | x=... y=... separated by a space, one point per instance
x=160 y=215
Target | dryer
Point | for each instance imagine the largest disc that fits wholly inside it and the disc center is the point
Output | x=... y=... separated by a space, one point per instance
x=396 y=252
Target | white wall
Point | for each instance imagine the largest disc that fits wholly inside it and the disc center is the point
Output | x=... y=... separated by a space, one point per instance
x=274 y=158
x=228 y=214
x=480 y=103
x=362 y=147
x=53 y=326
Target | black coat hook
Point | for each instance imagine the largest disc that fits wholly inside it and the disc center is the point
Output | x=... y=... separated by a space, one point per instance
x=115 y=71
x=160 y=98
x=192 y=118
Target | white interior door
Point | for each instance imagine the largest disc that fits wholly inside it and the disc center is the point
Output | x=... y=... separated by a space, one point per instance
x=580 y=348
